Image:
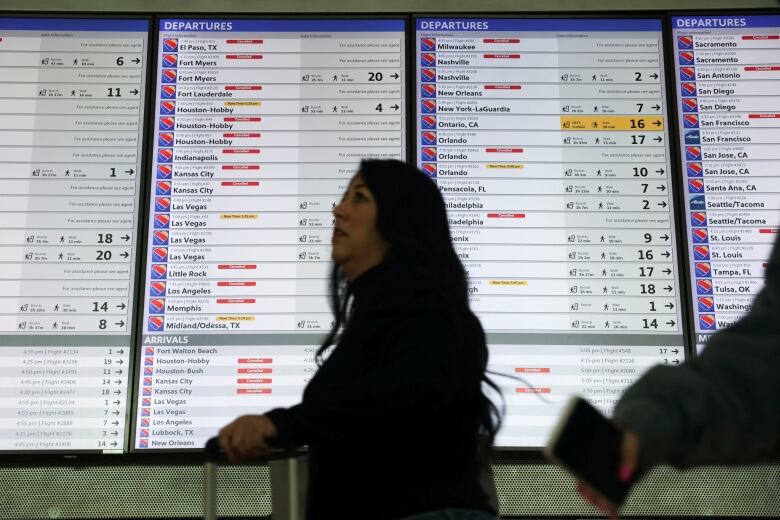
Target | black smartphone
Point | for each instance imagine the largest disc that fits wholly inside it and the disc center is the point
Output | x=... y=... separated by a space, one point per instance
x=588 y=445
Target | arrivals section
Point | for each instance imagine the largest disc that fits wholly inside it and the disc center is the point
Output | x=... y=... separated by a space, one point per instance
x=259 y=125
x=727 y=70
x=71 y=95
x=548 y=139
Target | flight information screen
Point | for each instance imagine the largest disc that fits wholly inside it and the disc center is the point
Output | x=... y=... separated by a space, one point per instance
x=259 y=125
x=548 y=139
x=728 y=99
x=71 y=99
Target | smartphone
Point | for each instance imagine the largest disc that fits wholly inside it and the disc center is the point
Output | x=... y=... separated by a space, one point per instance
x=588 y=445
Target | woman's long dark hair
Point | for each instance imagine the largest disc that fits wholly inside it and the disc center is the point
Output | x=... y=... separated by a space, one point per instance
x=412 y=218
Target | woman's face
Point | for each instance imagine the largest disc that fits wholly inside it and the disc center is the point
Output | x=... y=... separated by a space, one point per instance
x=357 y=244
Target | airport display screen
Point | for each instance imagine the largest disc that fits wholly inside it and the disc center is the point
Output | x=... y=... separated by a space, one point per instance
x=71 y=134
x=259 y=125
x=549 y=140
x=727 y=72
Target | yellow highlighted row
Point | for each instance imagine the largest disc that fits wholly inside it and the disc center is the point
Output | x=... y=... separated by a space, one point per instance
x=508 y=282
x=243 y=103
x=634 y=123
x=235 y=318
x=239 y=216
x=505 y=166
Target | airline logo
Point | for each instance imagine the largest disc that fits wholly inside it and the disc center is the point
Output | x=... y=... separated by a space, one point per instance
x=694 y=169
x=691 y=121
x=148 y=371
x=162 y=221
x=164 y=171
x=168 y=76
x=692 y=137
x=687 y=73
x=693 y=153
x=698 y=219
x=685 y=42
x=165 y=155
x=165 y=139
x=428 y=44
x=168 y=91
x=697 y=202
x=428 y=90
x=688 y=89
x=149 y=351
x=156 y=324
x=428 y=60
x=429 y=169
x=147 y=381
x=167 y=123
x=701 y=252
x=171 y=45
x=147 y=391
x=429 y=138
x=706 y=303
x=700 y=236
x=157 y=306
x=159 y=271
x=157 y=288
x=428 y=154
x=707 y=321
x=160 y=238
x=145 y=422
x=146 y=402
x=687 y=58
x=428 y=106
x=169 y=60
x=160 y=254
x=695 y=186
x=162 y=204
x=143 y=443
x=428 y=122
x=703 y=286
x=144 y=431
x=428 y=75
x=690 y=105
x=167 y=107
x=703 y=269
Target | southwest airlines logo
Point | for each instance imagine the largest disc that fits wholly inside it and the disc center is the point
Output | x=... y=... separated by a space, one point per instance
x=165 y=155
x=157 y=288
x=707 y=321
x=703 y=269
x=700 y=236
x=695 y=186
x=169 y=60
x=171 y=45
x=701 y=252
x=428 y=122
x=685 y=42
x=688 y=89
x=164 y=171
x=698 y=219
x=428 y=154
x=691 y=121
x=429 y=169
x=161 y=221
x=156 y=323
x=690 y=105
x=428 y=60
x=706 y=303
x=168 y=76
x=157 y=306
x=429 y=138
x=167 y=107
x=159 y=271
x=160 y=254
x=165 y=139
x=428 y=75
x=168 y=91
x=428 y=90
x=687 y=58
x=428 y=106
x=162 y=204
x=693 y=153
x=428 y=44
x=694 y=169
x=687 y=73
x=167 y=123
x=160 y=238
x=703 y=286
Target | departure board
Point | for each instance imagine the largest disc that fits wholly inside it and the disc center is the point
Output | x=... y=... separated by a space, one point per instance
x=71 y=134
x=728 y=103
x=548 y=139
x=259 y=125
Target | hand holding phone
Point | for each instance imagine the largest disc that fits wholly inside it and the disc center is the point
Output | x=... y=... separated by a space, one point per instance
x=596 y=452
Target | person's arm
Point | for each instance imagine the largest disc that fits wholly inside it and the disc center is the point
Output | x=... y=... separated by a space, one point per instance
x=419 y=375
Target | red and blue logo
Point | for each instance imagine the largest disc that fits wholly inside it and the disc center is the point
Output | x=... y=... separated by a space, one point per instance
x=144 y=422
x=168 y=91
x=690 y=105
x=148 y=371
x=167 y=107
x=694 y=169
x=159 y=271
x=169 y=60
x=429 y=169
x=691 y=121
x=428 y=106
x=693 y=153
x=164 y=171
x=703 y=286
x=687 y=58
x=160 y=238
x=695 y=186
x=162 y=204
x=157 y=306
x=428 y=90
x=428 y=44
x=168 y=76
x=428 y=122
x=165 y=139
x=156 y=324
x=428 y=75
x=157 y=288
x=687 y=73
x=700 y=236
x=703 y=269
x=167 y=123
x=161 y=221
x=688 y=89
x=428 y=154
x=706 y=303
x=707 y=321
x=428 y=138
x=146 y=402
x=698 y=219
x=160 y=254
x=701 y=252
x=165 y=155
x=171 y=45
x=685 y=42
x=428 y=60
